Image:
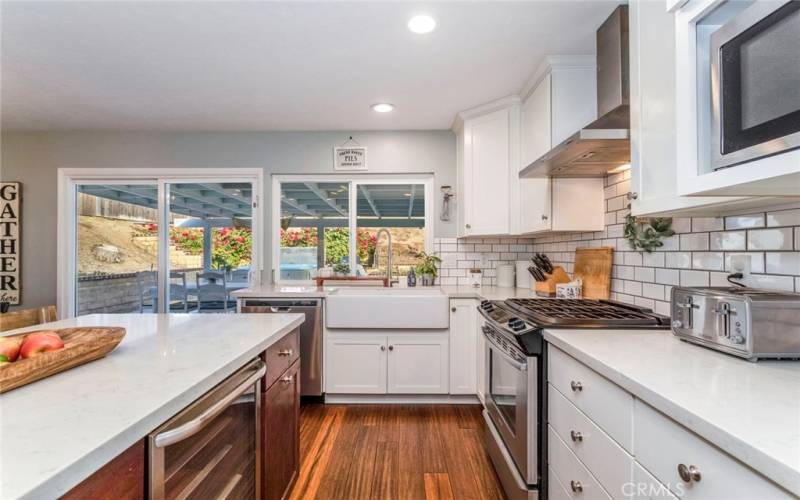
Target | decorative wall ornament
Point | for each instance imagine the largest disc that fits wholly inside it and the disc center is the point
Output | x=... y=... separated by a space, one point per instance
x=10 y=204
x=646 y=233
x=349 y=156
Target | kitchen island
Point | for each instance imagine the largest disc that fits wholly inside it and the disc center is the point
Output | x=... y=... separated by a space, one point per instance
x=56 y=432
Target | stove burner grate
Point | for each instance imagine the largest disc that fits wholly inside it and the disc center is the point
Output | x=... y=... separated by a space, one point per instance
x=583 y=312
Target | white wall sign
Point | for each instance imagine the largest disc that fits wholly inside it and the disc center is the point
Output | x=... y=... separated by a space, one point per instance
x=350 y=158
x=10 y=287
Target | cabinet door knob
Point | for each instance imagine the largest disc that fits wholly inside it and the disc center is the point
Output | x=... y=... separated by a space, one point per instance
x=391 y=348
x=286 y=352
x=453 y=309
x=575 y=436
x=544 y=217
x=576 y=486
x=468 y=226
x=689 y=474
x=383 y=348
x=632 y=195
x=576 y=386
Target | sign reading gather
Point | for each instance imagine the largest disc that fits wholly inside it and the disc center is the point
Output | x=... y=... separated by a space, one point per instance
x=350 y=158
x=10 y=197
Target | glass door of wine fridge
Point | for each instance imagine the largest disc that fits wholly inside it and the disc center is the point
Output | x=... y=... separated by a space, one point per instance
x=212 y=448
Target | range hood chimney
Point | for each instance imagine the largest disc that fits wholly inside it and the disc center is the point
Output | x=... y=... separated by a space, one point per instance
x=604 y=144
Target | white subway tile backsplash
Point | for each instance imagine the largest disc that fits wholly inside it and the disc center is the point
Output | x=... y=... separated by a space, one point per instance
x=783 y=263
x=680 y=260
x=770 y=239
x=653 y=259
x=663 y=308
x=719 y=279
x=730 y=240
x=653 y=291
x=694 y=241
x=710 y=261
x=617 y=203
x=783 y=218
x=682 y=225
x=623 y=272
x=671 y=243
x=645 y=274
x=633 y=288
x=705 y=224
x=744 y=221
x=784 y=283
x=633 y=259
x=668 y=276
x=694 y=278
x=642 y=302
x=756 y=261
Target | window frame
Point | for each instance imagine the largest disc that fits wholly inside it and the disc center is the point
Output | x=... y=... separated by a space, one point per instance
x=353 y=182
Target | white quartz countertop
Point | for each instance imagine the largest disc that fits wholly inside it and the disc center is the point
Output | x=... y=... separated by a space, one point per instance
x=454 y=292
x=56 y=432
x=750 y=410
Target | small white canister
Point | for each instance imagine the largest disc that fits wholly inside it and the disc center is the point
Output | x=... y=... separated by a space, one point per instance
x=571 y=290
x=523 y=276
x=475 y=277
x=505 y=275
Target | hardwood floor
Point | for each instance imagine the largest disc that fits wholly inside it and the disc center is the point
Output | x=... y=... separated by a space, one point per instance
x=404 y=452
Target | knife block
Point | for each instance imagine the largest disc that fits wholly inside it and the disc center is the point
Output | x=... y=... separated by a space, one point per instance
x=548 y=287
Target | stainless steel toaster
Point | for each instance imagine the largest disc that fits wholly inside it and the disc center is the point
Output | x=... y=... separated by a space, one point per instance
x=746 y=322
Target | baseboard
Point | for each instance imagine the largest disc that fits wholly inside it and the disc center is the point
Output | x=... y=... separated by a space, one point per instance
x=447 y=399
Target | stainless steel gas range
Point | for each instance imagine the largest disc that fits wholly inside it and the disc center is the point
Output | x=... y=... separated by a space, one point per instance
x=516 y=377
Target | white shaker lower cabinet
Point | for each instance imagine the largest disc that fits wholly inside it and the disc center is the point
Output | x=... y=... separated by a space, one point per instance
x=380 y=363
x=463 y=346
x=355 y=364
x=690 y=466
x=598 y=447
x=418 y=364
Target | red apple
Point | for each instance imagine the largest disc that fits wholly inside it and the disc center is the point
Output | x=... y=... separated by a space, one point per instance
x=9 y=348
x=39 y=342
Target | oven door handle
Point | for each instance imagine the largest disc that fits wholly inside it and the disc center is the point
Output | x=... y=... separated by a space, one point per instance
x=190 y=428
x=513 y=362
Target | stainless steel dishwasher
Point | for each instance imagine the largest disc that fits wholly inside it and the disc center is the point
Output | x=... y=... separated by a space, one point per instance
x=310 y=336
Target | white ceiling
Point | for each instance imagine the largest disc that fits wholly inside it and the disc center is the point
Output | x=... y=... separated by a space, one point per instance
x=273 y=65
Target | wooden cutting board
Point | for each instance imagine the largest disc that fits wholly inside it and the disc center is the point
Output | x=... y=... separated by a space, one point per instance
x=81 y=345
x=593 y=267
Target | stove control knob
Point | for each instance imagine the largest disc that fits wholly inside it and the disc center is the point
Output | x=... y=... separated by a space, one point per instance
x=518 y=327
x=738 y=339
x=677 y=323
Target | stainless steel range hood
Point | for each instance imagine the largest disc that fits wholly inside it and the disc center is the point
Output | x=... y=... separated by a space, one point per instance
x=604 y=144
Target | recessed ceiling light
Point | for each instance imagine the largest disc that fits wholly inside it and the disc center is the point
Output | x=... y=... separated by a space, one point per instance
x=382 y=107
x=421 y=24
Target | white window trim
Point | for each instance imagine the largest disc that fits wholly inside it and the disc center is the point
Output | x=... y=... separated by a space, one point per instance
x=68 y=180
x=353 y=181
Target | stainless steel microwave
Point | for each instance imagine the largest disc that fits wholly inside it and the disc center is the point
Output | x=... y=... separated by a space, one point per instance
x=755 y=83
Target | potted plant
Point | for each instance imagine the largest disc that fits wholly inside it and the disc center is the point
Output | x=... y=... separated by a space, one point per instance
x=341 y=269
x=427 y=268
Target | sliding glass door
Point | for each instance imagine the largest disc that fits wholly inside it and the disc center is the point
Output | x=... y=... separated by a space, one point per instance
x=142 y=244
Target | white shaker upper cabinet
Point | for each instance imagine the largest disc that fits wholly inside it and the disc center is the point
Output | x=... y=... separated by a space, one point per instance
x=654 y=154
x=488 y=146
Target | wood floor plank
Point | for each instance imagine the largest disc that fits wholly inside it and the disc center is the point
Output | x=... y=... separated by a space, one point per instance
x=437 y=486
x=387 y=473
x=315 y=462
x=406 y=452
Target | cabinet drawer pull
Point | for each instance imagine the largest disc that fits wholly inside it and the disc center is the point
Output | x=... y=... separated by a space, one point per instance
x=575 y=436
x=576 y=486
x=468 y=226
x=285 y=352
x=286 y=379
x=689 y=474
x=576 y=386
x=391 y=348
x=383 y=348
x=452 y=309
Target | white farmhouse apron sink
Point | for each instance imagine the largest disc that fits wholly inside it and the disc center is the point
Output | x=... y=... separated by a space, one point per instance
x=417 y=308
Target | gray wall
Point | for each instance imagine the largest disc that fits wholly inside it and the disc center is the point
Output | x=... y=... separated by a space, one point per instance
x=33 y=158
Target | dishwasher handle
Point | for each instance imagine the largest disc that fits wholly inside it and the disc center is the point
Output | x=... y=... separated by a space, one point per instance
x=193 y=426
x=280 y=309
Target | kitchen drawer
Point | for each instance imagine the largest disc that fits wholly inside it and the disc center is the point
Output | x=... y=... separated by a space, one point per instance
x=579 y=482
x=555 y=489
x=607 y=461
x=280 y=356
x=606 y=404
x=646 y=487
x=662 y=444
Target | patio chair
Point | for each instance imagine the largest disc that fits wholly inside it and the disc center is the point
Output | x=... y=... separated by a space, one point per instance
x=27 y=317
x=212 y=291
x=146 y=282
x=242 y=274
x=177 y=291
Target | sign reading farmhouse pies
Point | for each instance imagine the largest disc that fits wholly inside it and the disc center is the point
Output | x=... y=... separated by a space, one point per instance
x=10 y=197
x=350 y=158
